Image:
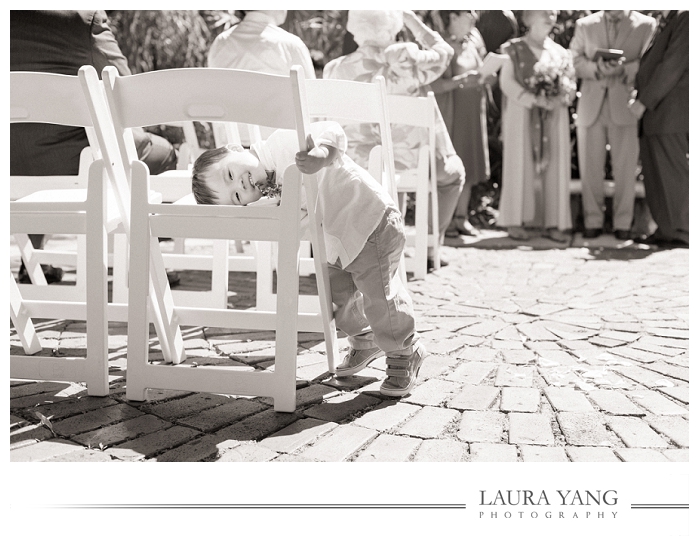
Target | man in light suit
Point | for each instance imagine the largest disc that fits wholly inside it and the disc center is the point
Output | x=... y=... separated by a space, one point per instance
x=662 y=104
x=603 y=116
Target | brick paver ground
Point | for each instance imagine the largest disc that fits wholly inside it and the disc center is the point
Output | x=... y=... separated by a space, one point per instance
x=539 y=353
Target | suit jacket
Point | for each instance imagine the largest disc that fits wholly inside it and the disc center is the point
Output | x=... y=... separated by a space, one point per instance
x=58 y=42
x=633 y=34
x=663 y=78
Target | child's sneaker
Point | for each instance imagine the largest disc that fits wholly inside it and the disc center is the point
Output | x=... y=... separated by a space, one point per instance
x=402 y=372
x=356 y=360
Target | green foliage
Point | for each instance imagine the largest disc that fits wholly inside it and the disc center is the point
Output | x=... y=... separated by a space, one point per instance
x=323 y=32
x=156 y=40
x=161 y=39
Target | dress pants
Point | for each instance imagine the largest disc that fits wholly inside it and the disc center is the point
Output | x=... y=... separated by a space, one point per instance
x=372 y=305
x=449 y=189
x=665 y=163
x=623 y=140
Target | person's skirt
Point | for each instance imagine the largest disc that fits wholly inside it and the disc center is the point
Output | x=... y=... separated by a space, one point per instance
x=470 y=133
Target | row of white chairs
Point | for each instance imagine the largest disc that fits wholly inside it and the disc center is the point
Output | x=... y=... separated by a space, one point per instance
x=118 y=200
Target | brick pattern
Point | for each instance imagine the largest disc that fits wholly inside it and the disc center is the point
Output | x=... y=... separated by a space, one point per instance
x=539 y=357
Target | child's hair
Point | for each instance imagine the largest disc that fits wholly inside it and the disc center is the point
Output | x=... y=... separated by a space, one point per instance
x=202 y=193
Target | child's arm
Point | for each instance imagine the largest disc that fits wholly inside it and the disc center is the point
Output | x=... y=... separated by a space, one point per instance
x=316 y=157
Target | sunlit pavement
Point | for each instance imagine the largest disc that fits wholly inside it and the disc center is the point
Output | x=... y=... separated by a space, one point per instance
x=539 y=352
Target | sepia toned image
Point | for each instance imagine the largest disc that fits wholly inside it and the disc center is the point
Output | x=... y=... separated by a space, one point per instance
x=429 y=236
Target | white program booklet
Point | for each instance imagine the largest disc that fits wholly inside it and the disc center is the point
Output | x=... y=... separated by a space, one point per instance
x=492 y=63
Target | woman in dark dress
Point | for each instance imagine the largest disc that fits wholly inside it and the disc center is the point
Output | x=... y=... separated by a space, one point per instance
x=461 y=96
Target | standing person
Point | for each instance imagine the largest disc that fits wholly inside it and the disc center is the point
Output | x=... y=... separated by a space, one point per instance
x=61 y=42
x=407 y=69
x=257 y=43
x=662 y=104
x=603 y=118
x=461 y=97
x=536 y=136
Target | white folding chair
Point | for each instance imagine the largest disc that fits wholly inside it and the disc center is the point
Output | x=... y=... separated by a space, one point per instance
x=343 y=101
x=60 y=99
x=205 y=94
x=175 y=186
x=26 y=188
x=347 y=101
x=419 y=112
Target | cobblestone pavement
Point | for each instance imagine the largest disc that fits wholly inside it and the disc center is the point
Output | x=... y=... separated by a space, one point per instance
x=540 y=353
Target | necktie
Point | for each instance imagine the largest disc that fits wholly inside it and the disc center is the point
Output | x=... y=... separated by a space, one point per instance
x=613 y=24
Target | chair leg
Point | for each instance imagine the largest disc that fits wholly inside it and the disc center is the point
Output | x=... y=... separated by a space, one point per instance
x=21 y=320
x=434 y=204
x=96 y=284
x=421 y=229
x=162 y=304
x=286 y=345
x=219 y=273
x=139 y=284
x=265 y=276
x=81 y=261
x=30 y=260
x=120 y=269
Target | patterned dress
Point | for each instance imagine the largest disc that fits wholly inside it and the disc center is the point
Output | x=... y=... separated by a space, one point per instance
x=406 y=69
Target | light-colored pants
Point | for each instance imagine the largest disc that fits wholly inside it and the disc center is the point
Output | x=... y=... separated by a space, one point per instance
x=623 y=140
x=373 y=306
x=449 y=188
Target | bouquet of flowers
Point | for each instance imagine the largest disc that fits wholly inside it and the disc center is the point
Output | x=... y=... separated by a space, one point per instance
x=553 y=78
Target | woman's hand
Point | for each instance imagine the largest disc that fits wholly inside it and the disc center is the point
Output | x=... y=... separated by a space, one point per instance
x=315 y=158
x=543 y=102
x=467 y=79
x=489 y=79
x=453 y=165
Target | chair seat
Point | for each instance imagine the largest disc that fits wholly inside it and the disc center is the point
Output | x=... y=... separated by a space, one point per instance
x=407 y=181
x=78 y=196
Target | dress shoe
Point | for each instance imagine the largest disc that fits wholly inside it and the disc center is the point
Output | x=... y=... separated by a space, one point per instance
x=652 y=239
x=554 y=234
x=430 y=263
x=173 y=279
x=518 y=233
x=622 y=234
x=678 y=243
x=51 y=273
x=465 y=228
x=592 y=233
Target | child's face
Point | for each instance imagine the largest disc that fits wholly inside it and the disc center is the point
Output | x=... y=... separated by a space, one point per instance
x=233 y=178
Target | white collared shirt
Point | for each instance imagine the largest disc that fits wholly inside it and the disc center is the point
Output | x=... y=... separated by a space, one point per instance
x=258 y=44
x=351 y=201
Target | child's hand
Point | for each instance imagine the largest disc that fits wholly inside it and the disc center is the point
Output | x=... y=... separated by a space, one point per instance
x=315 y=159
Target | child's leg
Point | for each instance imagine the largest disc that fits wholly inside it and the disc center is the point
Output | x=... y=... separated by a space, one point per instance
x=349 y=312
x=387 y=304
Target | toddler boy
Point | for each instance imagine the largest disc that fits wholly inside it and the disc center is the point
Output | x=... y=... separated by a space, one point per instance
x=364 y=238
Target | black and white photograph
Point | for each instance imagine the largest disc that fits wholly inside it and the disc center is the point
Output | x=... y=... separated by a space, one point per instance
x=450 y=245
